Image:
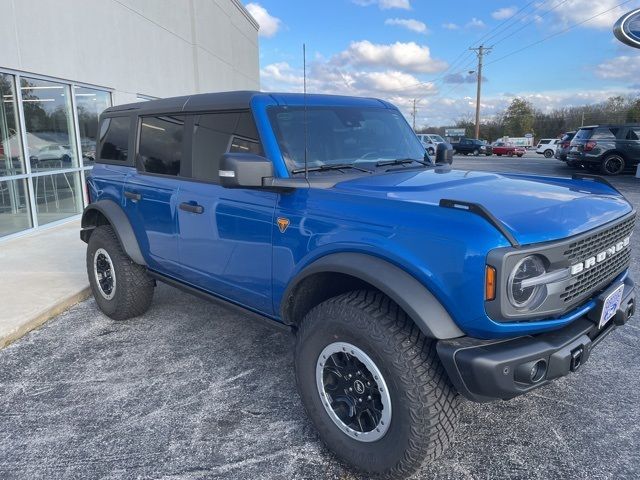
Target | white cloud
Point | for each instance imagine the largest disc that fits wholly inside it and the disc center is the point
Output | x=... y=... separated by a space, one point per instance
x=269 y=25
x=409 y=57
x=450 y=26
x=400 y=88
x=575 y=11
x=504 y=13
x=408 y=23
x=475 y=23
x=385 y=4
x=624 y=67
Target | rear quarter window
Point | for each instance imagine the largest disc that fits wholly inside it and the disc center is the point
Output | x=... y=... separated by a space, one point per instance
x=605 y=133
x=583 y=134
x=114 y=139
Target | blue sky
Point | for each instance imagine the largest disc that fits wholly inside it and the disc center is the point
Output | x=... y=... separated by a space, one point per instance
x=405 y=49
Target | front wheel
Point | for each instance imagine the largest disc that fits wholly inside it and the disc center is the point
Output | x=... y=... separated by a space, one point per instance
x=121 y=287
x=373 y=384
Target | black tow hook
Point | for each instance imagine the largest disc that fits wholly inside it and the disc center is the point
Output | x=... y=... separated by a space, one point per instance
x=577 y=355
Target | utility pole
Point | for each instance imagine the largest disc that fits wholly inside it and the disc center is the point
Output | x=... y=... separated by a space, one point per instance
x=481 y=51
x=414 y=113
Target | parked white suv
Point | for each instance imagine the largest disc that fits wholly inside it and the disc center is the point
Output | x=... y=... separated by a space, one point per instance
x=430 y=141
x=547 y=147
x=428 y=144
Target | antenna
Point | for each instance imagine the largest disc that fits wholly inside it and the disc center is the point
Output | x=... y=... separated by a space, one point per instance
x=304 y=96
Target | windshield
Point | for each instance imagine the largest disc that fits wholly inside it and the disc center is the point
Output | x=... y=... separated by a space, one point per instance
x=343 y=135
x=437 y=138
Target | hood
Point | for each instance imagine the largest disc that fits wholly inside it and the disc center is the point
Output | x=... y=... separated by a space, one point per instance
x=534 y=209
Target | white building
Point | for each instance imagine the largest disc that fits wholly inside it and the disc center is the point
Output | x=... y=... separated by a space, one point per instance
x=63 y=62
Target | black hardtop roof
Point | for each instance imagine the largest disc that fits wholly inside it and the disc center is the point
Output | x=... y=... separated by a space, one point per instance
x=235 y=100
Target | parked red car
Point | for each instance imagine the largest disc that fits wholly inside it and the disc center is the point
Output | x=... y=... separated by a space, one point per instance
x=503 y=148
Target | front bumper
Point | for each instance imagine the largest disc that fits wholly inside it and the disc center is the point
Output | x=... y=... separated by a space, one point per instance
x=486 y=370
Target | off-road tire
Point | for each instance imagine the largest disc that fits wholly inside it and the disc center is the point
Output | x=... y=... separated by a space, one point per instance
x=424 y=405
x=612 y=165
x=134 y=287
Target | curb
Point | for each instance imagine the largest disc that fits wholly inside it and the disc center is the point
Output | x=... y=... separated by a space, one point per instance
x=45 y=315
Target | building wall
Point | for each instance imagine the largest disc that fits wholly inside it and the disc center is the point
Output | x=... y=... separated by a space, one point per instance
x=62 y=62
x=158 y=48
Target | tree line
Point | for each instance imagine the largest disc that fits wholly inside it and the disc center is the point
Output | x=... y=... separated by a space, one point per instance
x=521 y=117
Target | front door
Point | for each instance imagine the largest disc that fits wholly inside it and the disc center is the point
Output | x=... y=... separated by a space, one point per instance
x=225 y=243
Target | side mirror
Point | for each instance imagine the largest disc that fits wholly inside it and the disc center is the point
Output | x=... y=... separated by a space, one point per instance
x=244 y=170
x=444 y=154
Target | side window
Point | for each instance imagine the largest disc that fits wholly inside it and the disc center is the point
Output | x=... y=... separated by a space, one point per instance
x=216 y=133
x=604 y=134
x=633 y=134
x=161 y=144
x=114 y=139
x=211 y=136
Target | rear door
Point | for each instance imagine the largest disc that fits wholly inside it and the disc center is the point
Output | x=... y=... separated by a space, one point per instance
x=150 y=192
x=225 y=234
x=629 y=144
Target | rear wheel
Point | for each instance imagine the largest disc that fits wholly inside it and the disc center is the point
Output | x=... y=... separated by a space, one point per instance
x=121 y=287
x=373 y=384
x=476 y=152
x=548 y=153
x=612 y=165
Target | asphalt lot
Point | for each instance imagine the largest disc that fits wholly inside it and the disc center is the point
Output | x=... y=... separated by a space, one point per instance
x=192 y=391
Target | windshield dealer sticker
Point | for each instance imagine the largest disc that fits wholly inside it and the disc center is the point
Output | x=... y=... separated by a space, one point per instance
x=283 y=224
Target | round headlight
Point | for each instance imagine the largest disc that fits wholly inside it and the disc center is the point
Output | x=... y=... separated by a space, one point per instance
x=529 y=267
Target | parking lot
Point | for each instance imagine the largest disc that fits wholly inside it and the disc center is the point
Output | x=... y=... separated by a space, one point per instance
x=190 y=390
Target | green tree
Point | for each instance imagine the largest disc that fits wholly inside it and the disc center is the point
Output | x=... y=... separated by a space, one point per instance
x=633 y=114
x=519 y=118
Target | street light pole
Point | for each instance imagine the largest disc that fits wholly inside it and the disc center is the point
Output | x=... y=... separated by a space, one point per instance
x=481 y=51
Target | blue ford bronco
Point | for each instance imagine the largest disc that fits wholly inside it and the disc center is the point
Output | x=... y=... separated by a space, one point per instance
x=407 y=283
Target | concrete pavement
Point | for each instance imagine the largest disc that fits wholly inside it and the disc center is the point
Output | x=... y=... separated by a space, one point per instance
x=41 y=275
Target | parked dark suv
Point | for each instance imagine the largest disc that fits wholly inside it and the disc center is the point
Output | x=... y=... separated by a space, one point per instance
x=610 y=149
x=563 y=147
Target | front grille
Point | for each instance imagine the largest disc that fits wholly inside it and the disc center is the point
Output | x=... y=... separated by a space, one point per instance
x=602 y=273
x=597 y=276
x=594 y=244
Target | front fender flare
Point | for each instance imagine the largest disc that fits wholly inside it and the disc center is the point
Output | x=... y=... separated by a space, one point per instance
x=411 y=295
x=120 y=223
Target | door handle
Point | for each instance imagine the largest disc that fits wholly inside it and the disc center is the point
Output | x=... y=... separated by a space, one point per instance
x=132 y=196
x=191 y=207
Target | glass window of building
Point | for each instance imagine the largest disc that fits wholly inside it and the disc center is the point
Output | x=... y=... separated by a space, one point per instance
x=49 y=123
x=14 y=200
x=11 y=158
x=90 y=103
x=15 y=215
x=57 y=196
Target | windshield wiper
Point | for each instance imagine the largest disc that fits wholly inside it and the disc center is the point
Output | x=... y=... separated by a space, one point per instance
x=335 y=166
x=402 y=161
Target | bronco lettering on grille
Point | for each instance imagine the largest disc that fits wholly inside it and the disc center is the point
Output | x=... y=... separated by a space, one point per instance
x=600 y=257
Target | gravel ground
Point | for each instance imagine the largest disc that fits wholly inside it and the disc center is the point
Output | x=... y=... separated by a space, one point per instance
x=192 y=391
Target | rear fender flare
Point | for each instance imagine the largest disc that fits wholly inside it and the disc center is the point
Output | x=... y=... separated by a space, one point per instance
x=120 y=223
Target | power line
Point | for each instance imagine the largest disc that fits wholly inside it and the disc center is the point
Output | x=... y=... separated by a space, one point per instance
x=529 y=23
x=464 y=53
x=570 y=27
